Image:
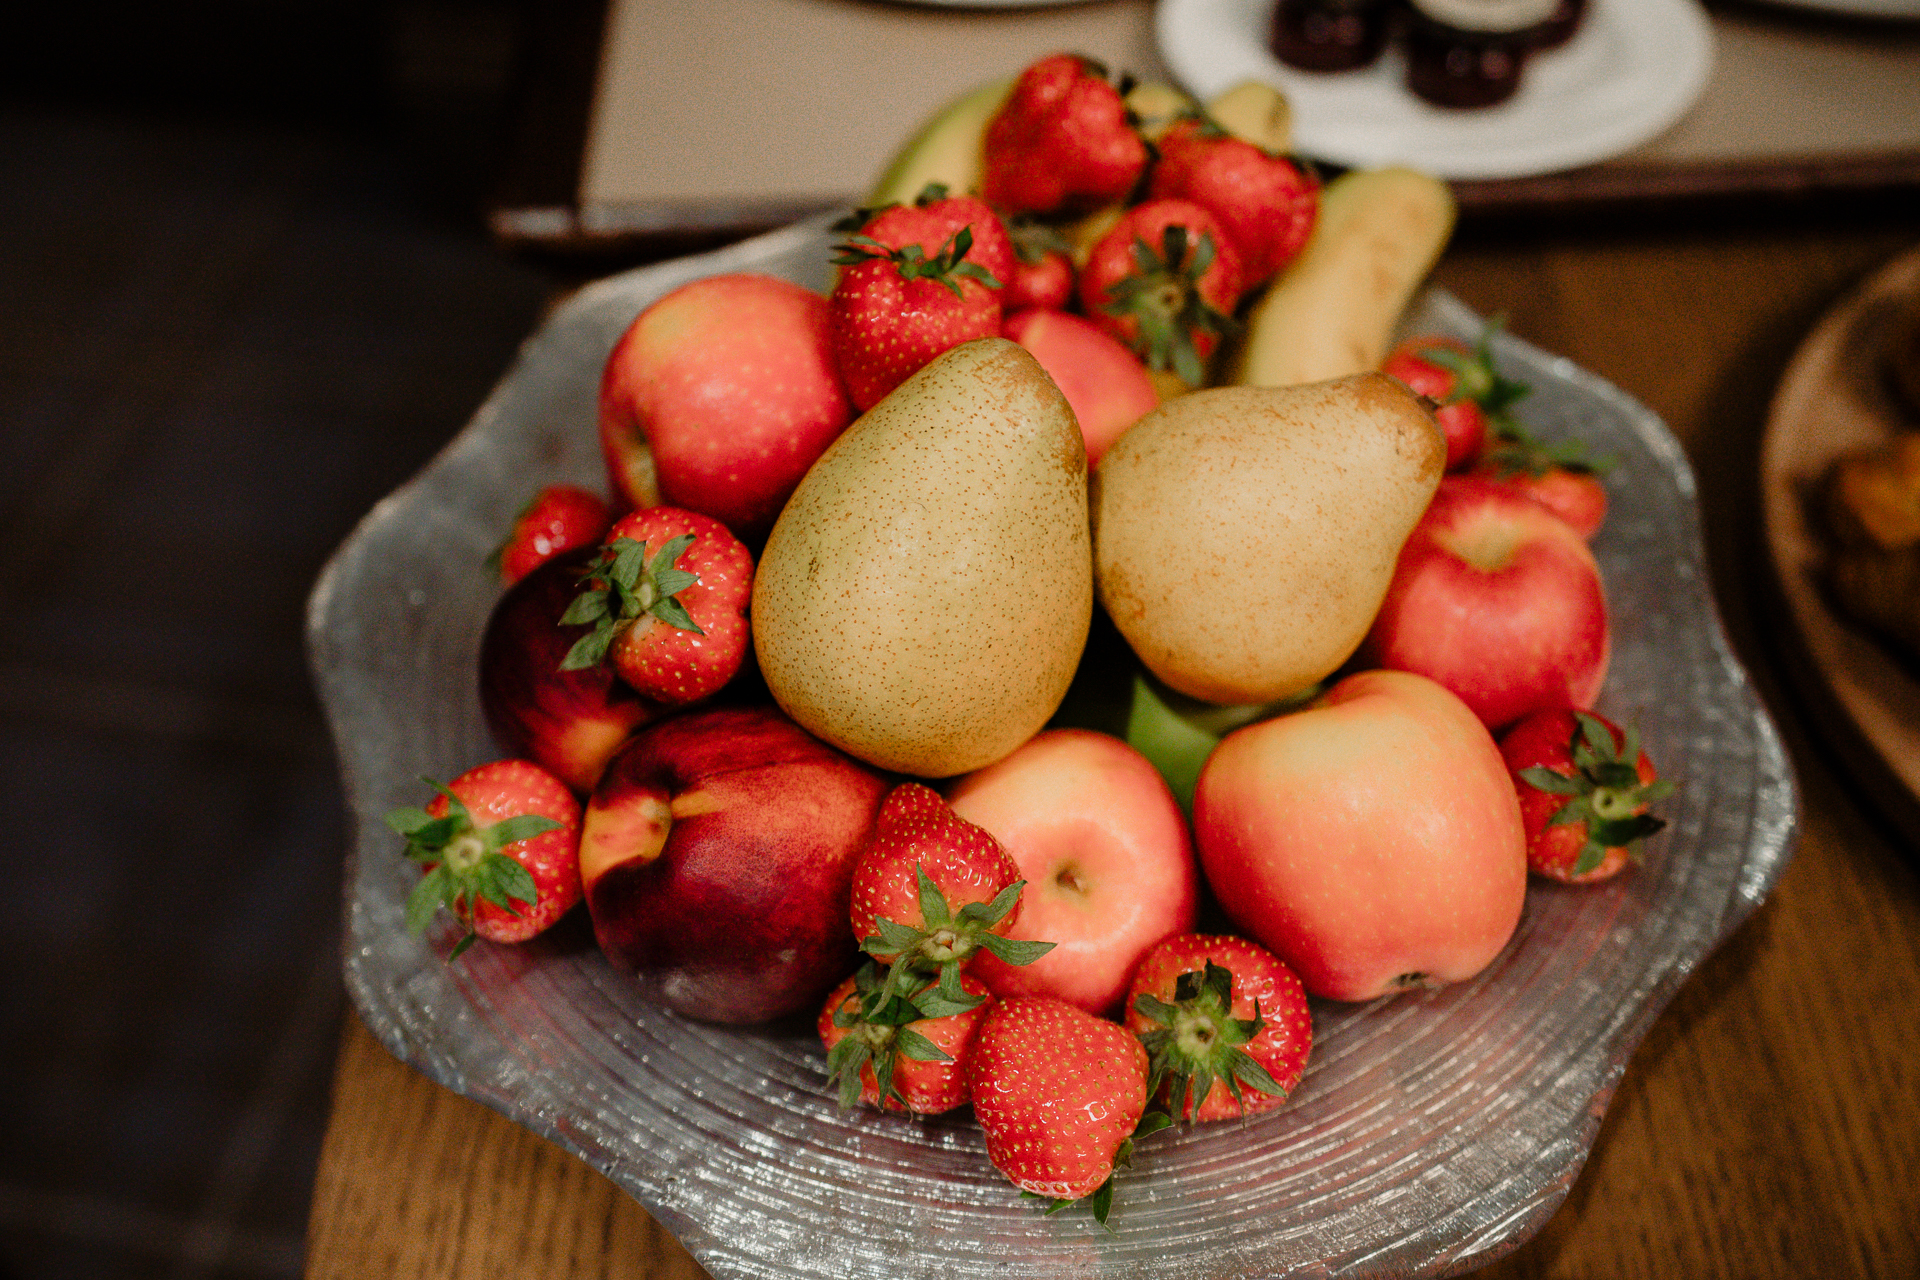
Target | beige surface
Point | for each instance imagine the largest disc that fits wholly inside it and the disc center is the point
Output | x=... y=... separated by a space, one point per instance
x=713 y=109
x=805 y=100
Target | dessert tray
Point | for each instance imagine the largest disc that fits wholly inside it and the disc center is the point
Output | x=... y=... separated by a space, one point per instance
x=1831 y=400
x=1631 y=70
x=1432 y=1132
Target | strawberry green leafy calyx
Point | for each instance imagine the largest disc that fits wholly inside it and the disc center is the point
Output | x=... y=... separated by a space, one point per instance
x=466 y=863
x=1197 y=1040
x=949 y=266
x=1475 y=379
x=944 y=940
x=1604 y=790
x=1163 y=295
x=874 y=1028
x=623 y=586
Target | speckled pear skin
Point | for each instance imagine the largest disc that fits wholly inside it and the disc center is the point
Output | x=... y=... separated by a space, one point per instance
x=924 y=598
x=1244 y=537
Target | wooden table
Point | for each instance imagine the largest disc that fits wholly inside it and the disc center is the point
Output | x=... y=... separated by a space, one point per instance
x=1768 y=1125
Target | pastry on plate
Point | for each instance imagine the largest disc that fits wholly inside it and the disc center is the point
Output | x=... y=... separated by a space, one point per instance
x=1871 y=504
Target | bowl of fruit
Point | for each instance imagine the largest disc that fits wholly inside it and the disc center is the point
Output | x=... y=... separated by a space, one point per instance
x=1159 y=780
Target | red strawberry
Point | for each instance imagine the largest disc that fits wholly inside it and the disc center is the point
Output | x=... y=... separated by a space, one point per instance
x=1059 y=1094
x=1042 y=275
x=1217 y=1013
x=1464 y=421
x=500 y=847
x=1164 y=280
x=1062 y=142
x=1474 y=399
x=1584 y=787
x=900 y=1053
x=667 y=600
x=560 y=518
x=1559 y=476
x=931 y=889
x=917 y=280
x=1266 y=203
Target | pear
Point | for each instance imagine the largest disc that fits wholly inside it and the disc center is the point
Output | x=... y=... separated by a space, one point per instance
x=925 y=596
x=1244 y=537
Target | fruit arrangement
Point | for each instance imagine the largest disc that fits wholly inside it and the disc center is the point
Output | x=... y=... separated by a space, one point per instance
x=804 y=685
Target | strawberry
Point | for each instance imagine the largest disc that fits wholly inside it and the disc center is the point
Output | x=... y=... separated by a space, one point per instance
x=558 y=519
x=1216 y=1013
x=1062 y=142
x=901 y=1053
x=1266 y=203
x=1561 y=476
x=917 y=280
x=499 y=847
x=1060 y=1095
x=1164 y=280
x=1427 y=366
x=1585 y=787
x=930 y=889
x=1042 y=275
x=667 y=600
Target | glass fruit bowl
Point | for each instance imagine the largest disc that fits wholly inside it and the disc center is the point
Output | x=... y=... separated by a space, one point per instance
x=1432 y=1131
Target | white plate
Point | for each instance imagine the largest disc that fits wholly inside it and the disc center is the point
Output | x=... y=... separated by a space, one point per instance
x=1630 y=71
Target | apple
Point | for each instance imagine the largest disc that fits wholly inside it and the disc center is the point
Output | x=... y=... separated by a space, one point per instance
x=569 y=722
x=1499 y=600
x=718 y=398
x=717 y=856
x=1373 y=840
x=1106 y=385
x=1105 y=854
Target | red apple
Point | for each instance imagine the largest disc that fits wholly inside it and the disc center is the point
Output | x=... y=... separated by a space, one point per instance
x=1372 y=840
x=1106 y=385
x=719 y=397
x=717 y=857
x=569 y=722
x=1104 y=851
x=1499 y=600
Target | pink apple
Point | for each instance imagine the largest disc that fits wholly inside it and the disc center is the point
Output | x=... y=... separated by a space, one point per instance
x=719 y=397
x=1499 y=600
x=717 y=855
x=1373 y=840
x=1106 y=385
x=569 y=722
x=1105 y=854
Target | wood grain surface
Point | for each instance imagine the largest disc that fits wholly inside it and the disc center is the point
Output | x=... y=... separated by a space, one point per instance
x=1767 y=1126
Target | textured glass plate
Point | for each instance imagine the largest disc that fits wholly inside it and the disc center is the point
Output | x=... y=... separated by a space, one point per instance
x=1431 y=1133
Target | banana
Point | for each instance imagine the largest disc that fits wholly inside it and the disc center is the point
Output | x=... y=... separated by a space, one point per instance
x=1332 y=311
x=1156 y=105
x=946 y=149
x=1256 y=113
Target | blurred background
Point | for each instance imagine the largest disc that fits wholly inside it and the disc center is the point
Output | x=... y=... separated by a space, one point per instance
x=246 y=291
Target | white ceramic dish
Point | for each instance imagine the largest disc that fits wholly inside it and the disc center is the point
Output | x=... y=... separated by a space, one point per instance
x=1432 y=1132
x=1632 y=69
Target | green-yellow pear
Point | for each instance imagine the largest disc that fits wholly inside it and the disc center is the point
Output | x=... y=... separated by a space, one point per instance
x=924 y=598
x=1244 y=537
